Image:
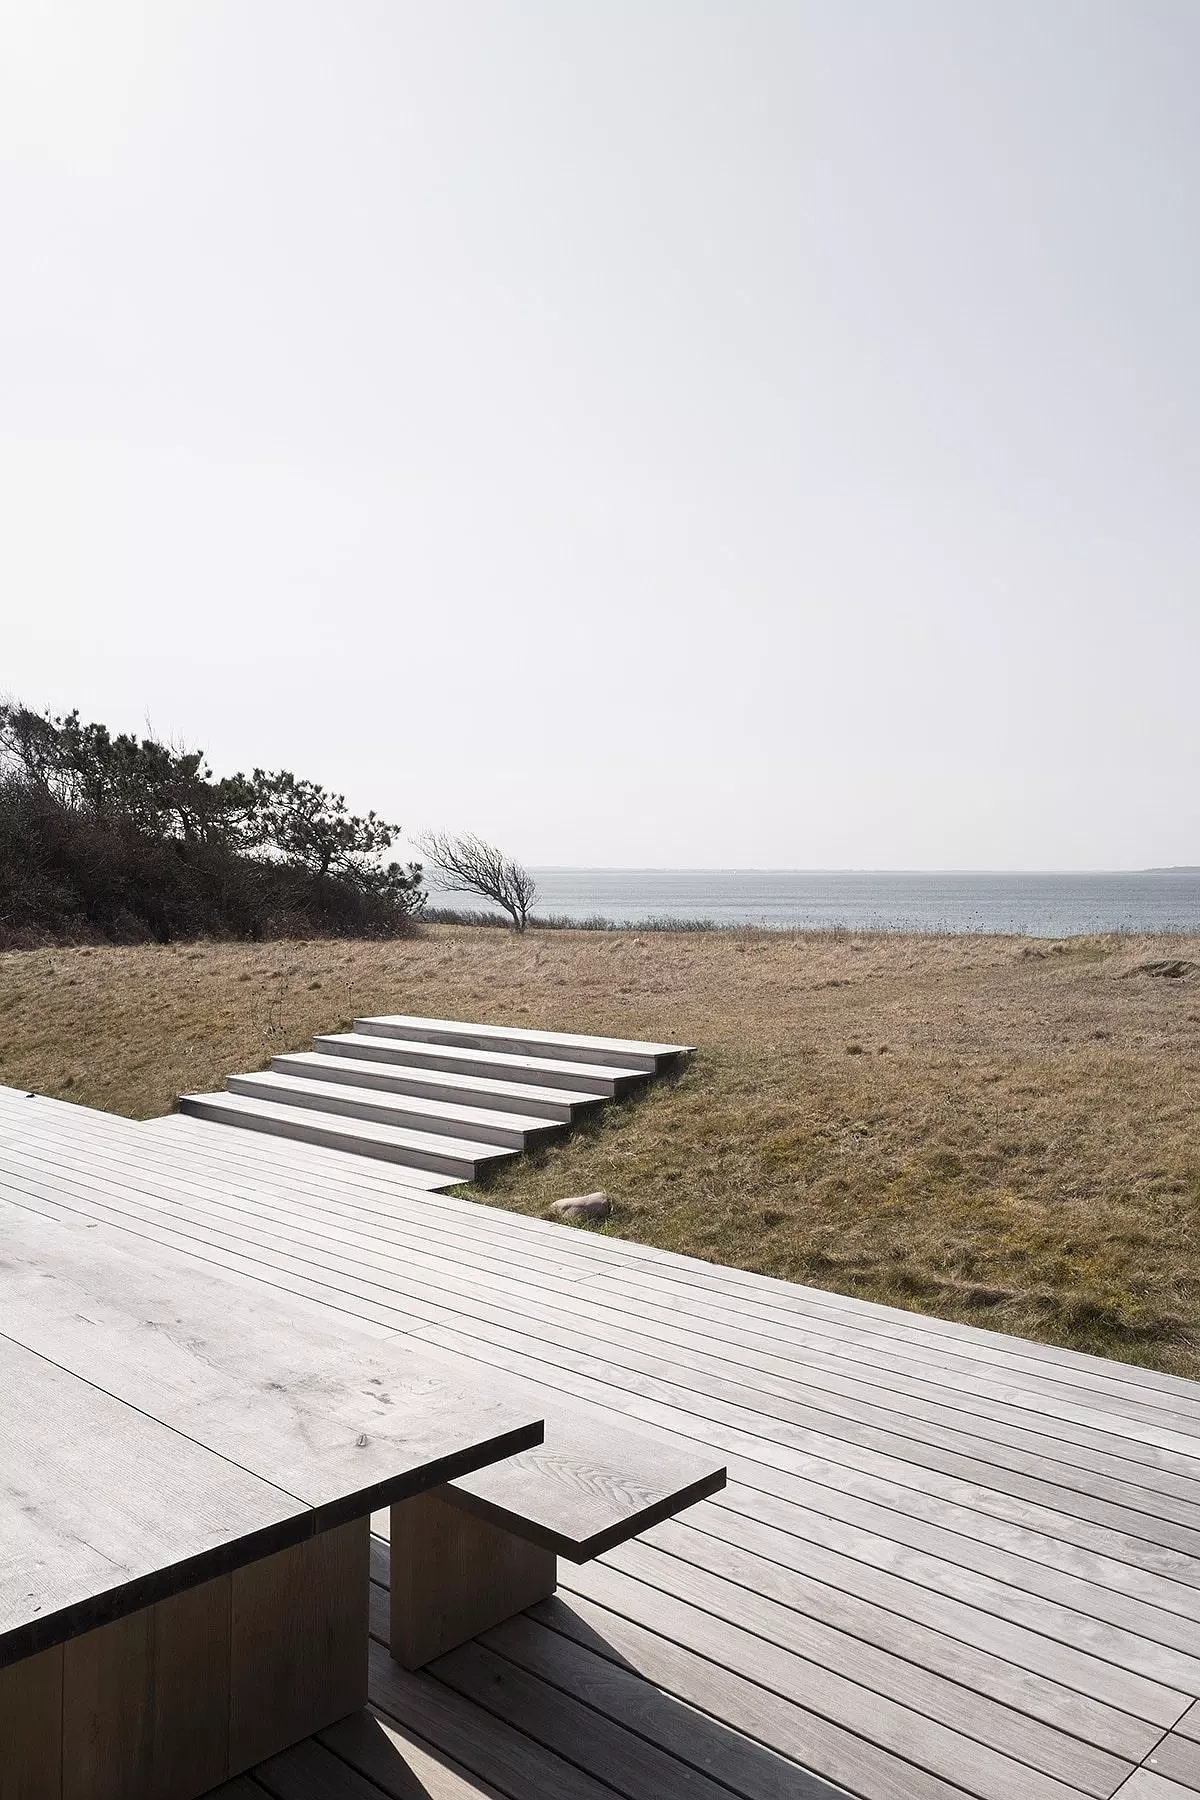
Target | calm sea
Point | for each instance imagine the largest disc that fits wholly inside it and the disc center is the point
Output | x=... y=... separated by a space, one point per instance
x=1040 y=905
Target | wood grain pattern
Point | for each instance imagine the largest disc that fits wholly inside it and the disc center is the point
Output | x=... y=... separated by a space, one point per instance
x=1147 y=1784
x=591 y=1485
x=167 y=1702
x=298 y=1642
x=456 y=1575
x=1178 y=1758
x=1159 y=1474
x=146 y=1701
x=341 y=1416
x=104 y=1511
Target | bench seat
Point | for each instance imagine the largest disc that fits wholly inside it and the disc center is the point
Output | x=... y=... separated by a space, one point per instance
x=469 y=1555
x=590 y=1485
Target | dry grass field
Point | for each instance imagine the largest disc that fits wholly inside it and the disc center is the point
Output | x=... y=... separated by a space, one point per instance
x=995 y=1130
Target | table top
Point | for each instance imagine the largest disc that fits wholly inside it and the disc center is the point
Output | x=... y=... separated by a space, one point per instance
x=162 y=1422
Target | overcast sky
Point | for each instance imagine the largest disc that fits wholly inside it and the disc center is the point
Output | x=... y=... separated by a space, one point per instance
x=682 y=434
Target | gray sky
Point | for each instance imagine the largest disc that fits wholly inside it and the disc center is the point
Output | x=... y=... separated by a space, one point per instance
x=674 y=434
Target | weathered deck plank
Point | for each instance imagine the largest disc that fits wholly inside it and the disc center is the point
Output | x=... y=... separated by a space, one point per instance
x=157 y=1512
x=343 y=1418
x=840 y=1477
x=947 y=1563
x=858 y=1356
x=343 y=1237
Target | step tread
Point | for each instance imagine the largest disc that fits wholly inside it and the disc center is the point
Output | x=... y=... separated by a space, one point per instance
x=363 y=1134
x=409 y=1051
x=622 y=1052
x=312 y=1065
x=341 y=1097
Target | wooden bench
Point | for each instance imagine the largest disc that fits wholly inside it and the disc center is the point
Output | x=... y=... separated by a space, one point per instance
x=190 y=1463
x=471 y=1545
x=469 y=1555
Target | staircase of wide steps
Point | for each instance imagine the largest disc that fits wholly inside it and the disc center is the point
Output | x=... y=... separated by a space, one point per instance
x=441 y=1098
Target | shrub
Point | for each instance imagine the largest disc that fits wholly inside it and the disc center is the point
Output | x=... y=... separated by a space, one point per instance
x=113 y=837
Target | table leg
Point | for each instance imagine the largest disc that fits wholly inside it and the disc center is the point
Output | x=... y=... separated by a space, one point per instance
x=31 y=1727
x=172 y=1700
x=300 y=1637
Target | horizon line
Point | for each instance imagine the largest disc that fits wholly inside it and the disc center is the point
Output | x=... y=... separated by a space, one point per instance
x=771 y=869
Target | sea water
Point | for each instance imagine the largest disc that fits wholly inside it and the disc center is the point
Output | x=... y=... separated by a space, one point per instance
x=1036 y=904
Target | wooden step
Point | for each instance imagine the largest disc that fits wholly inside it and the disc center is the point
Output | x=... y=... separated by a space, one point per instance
x=584 y=1078
x=437 y=1095
x=454 y=1158
x=557 y=1104
x=511 y=1131
x=617 y=1053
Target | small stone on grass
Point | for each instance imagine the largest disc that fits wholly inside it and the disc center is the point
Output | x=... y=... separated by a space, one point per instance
x=582 y=1209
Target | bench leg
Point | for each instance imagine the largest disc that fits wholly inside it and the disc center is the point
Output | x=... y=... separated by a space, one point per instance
x=172 y=1700
x=454 y=1575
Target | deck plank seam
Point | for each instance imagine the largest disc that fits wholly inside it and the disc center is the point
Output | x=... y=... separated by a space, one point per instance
x=597 y=1712
x=902 y=1464
x=1061 y=1606
x=587 y=1278
x=696 y=1606
x=781 y=1693
x=733 y=1276
x=715 y=1718
x=682 y=1405
x=427 y=1675
x=1042 y=1433
x=899 y=1656
x=932 y=1632
x=928 y=1325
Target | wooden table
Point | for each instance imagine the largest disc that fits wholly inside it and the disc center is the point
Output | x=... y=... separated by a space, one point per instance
x=188 y=1464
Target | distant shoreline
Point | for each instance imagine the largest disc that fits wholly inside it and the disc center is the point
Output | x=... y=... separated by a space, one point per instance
x=948 y=873
x=958 y=903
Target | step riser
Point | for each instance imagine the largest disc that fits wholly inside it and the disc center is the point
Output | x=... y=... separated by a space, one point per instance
x=414 y=1055
x=397 y=1081
x=509 y=1046
x=308 y=1129
x=343 y=1107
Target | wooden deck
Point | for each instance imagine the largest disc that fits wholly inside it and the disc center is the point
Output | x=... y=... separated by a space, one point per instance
x=947 y=1562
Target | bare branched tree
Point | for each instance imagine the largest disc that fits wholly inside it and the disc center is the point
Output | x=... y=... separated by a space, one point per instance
x=468 y=865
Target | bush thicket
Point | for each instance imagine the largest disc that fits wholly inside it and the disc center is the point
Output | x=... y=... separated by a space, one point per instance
x=126 y=839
